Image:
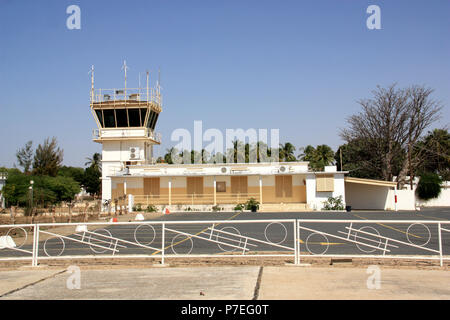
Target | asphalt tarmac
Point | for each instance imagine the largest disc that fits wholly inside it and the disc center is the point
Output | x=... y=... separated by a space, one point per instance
x=227 y=233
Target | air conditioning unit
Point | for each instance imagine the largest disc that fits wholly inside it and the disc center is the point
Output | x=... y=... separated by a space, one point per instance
x=224 y=170
x=135 y=153
x=283 y=169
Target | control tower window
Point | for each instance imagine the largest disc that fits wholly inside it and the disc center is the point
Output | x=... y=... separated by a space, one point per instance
x=110 y=120
x=151 y=119
x=100 y=117
x=134 y=117
x=143 y=114
x=121 y=116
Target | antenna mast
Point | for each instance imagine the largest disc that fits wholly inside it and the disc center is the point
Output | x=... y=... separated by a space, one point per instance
x=92 y=83
x=147 y=85
x=125 y=68
x=159 y=86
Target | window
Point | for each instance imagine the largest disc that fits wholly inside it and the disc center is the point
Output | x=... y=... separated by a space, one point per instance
x=143 y=114
x=153 y=124
x=151 y=187
x=239 y=185
x=283 y=186
x=121 y=116
x=194 y=185
x=100 y=117
x=150 y=118
x=221 y=186
x=324 y=183
x=110 y=118
x=134 y=117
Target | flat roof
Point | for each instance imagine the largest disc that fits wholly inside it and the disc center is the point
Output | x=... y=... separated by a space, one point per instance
x=373 y=182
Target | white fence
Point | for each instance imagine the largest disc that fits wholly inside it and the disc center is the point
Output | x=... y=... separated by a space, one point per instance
x=287 y=238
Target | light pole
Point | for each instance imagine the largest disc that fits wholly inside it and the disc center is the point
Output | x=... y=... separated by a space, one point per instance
x=31 y=192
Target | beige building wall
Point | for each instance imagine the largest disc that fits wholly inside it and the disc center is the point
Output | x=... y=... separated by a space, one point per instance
x=288 y=189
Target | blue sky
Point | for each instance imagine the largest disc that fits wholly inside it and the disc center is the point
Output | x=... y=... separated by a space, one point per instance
x=297 y=66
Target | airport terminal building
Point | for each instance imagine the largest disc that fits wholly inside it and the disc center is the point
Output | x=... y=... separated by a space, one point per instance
x=126 y=119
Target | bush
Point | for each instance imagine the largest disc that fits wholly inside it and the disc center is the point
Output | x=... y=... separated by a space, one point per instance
x=252 y=205
x=239 y=207
x=46 y=190
x=216 y=208
x=335 y=203
x=150 y=208
x=429 y=186
x=137 y=207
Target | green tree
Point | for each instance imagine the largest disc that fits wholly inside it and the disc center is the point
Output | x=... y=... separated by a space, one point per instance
x=95 y=161
x=318 y=157
x=91 y=181
x=287 y=152
x=393 y=120
x=75 y=173
x=429 y=186
x=63 y=188
x=46 y=190
x=48 y=158
x=168 y=156
x=15 y=190
x=25 y=157
x=434 y=152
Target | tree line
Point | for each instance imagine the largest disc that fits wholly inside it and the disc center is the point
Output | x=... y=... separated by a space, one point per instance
x=389 y=138
x=44 y=180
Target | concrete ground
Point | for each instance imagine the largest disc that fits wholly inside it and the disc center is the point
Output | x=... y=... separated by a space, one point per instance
x=229 y=283
x=294 y=283
x=225 y=282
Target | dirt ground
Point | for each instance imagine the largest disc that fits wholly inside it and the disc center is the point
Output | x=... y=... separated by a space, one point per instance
x=64 y=218
x=109 y=263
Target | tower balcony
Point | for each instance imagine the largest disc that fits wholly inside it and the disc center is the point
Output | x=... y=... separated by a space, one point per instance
x=103 y=134
x=126 y=97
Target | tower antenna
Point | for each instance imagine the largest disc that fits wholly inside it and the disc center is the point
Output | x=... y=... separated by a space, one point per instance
x=159 y=86
x=139 y=81
x=125 y=68
x=92 y=82
x=147 y=84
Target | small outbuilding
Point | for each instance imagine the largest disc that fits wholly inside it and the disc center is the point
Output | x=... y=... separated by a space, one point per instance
x=370 y=194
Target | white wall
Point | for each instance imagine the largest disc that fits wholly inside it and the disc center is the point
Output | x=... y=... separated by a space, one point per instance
x=365 y=196
x=442 y=201
x=370 y=197
x=406 y=200
x=315 y=199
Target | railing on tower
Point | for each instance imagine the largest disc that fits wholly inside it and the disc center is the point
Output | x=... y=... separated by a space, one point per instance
x=100 y=133
x=126 y=94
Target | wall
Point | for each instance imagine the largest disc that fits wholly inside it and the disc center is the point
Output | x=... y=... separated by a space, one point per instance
x=442 y=201
x=316 y=199
x=406 y=200
x=364 y=196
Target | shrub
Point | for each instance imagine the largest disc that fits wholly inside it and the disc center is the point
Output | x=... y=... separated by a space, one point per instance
x=429 y=186
x=216 y=208
x=239 y=207
x=335 y=203
x=252 y=205
x=151 y=208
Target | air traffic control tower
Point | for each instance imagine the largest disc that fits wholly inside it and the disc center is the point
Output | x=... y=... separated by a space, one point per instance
x=126 y=119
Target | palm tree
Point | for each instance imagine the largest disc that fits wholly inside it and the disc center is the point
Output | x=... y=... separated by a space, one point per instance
x=287 y=152
x=318 y=157
x=95 y=161
x=168 y=156
x=324 y=155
